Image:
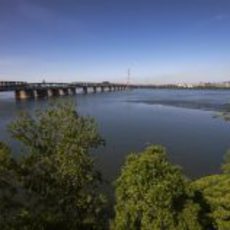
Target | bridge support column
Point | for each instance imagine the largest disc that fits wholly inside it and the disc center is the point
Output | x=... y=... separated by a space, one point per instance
x=71 y=91
x=50 y=93
x=66 y=92
x=63 y=92
x=35 y=93
x=55 y=92
x=85 y=89
x=94 y=89
x=23 y=94
x=79 y=90
x=39 y=93
x=102 y=88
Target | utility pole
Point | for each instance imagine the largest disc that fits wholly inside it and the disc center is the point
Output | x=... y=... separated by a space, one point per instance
x=128 y=77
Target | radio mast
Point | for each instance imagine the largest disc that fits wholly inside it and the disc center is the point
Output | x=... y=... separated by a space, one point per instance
x=128 y=77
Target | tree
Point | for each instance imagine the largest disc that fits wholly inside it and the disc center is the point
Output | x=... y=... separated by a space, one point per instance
x=216 y=191
x=151 y=193
x=56 y=182
x=226 y=165
x=8 y=188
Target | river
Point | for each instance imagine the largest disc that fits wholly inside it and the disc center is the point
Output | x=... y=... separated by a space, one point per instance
x=181 y=120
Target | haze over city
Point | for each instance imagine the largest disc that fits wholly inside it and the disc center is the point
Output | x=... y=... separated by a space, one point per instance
x=161 y=41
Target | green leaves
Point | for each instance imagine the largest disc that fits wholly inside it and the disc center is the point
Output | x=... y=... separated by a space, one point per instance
x=151 y=193
x=55 y=178
x=216 y=191
x=58 y=127
x=226 y=164
x=55 y=185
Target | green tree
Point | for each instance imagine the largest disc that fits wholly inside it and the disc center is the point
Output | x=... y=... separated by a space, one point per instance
x=216 y=191
x=226 y=165
x=54 y=185
x=8 y=188
x=151 y=193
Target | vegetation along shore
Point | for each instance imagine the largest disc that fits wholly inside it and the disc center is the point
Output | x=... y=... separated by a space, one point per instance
x=55 y=185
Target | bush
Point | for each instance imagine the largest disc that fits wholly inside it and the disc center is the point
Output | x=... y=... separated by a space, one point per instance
x=152 y=193
x=54 y=185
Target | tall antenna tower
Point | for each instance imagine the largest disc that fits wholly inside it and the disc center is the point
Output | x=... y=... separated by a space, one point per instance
x=128 y=77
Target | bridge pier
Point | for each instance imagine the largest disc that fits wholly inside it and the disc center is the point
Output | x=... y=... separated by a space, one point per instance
x=55 y=92
x=50 y=92
x=90 y=89
x=79 y=90
x=85 y=89
x=40 y=93
x=35 y=93
x=39 y=90
x=71 y=91
x=63 y=92
x=23 y=94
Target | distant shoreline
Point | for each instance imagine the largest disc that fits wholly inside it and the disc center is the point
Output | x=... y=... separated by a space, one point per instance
x=179 y=87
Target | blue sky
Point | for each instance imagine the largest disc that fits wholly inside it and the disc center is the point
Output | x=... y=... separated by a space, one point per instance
x=162 y=41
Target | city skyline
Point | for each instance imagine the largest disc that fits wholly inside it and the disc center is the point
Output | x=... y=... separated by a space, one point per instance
x=98 y=40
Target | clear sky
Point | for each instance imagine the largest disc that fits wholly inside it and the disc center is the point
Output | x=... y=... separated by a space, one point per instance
x=162 y=41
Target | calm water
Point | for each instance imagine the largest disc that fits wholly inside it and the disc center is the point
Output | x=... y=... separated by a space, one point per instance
x=181 y=120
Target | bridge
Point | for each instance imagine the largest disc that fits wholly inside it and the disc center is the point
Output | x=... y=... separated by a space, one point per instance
x=24 y=90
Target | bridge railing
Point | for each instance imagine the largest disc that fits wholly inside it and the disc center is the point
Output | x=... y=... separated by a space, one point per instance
x=48 y=85
x=17 y=85
x=11 y=85
x=95 y=84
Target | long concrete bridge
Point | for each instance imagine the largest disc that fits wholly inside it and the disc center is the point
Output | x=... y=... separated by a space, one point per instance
x=24 y=90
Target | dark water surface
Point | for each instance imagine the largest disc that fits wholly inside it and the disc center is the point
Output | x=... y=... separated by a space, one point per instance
x=181 y=120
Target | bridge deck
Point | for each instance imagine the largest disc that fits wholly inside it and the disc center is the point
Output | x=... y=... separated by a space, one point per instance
x=13 y=86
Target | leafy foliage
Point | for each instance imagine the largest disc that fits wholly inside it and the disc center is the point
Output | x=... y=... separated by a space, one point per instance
x=8 y=188
x=153 y=194
x=55 y=183
x=226 y=164
x=216 y=190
